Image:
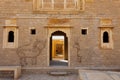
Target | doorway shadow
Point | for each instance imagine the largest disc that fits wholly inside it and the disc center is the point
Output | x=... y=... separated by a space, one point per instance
x=59 y=63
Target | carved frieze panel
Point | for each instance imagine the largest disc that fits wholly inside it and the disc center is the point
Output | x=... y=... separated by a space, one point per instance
x=61 y=6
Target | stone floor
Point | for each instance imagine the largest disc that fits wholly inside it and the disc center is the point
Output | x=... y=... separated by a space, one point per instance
x=59 y=63
x=44 y=77
x=98 y=75
x=47 y=77
x=83 y=75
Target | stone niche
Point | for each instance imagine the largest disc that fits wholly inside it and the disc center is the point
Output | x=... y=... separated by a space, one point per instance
x=106 y=32
x=10 y=34
x=106 y=38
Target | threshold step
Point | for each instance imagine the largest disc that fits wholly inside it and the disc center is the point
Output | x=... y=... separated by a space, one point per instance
x=55 y=73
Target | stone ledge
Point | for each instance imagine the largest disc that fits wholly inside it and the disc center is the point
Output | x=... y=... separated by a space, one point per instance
x=55 y=73
x=16 y=69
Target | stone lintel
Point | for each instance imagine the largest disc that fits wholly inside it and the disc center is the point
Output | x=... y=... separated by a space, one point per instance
x=106 y=27
x=58 y=26
x=10 y=27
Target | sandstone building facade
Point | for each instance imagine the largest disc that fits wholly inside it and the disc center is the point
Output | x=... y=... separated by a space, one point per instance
x=81 y=33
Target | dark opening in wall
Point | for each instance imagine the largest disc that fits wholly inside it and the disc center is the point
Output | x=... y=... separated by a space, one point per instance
x=11 y=36
x=105 y=37
x=84 y=31
x=33 y=31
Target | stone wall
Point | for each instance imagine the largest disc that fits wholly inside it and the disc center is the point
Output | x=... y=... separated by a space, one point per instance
x=90 y=50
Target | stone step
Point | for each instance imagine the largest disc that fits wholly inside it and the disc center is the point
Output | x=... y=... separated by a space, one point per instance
x=49 y=69
x=54 y=73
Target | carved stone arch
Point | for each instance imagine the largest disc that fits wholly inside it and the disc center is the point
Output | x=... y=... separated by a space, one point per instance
x=10 y=37
x=67 y=32
x=53 y=30
x=106 y=37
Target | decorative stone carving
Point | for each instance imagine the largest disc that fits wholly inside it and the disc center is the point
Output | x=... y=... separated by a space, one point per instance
x=58 y=6
x=76 y=45
x=30 y=51
x=58 y=21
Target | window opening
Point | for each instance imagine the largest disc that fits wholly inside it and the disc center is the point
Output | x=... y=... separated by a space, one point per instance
x=105 y=37
x=11 y=36
x=84 y=31
x=33 y=31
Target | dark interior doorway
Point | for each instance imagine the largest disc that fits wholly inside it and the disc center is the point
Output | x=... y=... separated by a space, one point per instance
x=58 y=49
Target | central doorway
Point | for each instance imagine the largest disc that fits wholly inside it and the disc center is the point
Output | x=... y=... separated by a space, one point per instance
x=58 y=49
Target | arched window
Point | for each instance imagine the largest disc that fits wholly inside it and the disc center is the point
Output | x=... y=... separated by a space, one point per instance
x=11 y=36
x=105 y=37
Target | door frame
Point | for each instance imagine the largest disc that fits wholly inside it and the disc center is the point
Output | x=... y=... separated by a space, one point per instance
x=51 y=30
